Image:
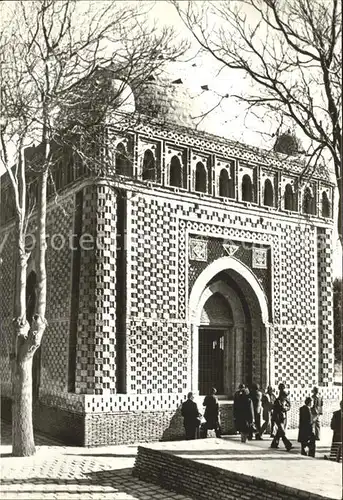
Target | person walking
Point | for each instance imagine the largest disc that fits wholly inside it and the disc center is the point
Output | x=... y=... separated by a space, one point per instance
x=336 y=426
x=236 y=397
x=211 y=414
x=256 y=398
x=317 y=411
x=191 y=416
x=280 y=409
x=306 y=434
x=268 y=400
x=243 y=412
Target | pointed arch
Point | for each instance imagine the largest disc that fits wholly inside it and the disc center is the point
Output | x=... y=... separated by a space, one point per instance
x=247 y=188
x=289 y=198
x=221 y=264
x=200 y=178
x=268 y=194
x=326 y=211
x=149 y=166
x=308 y=201
x=123 y=164
x=175 y=173
x=224 y=183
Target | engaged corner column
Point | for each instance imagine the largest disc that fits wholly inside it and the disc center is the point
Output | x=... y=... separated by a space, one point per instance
x=239 y=372
x=268 y=368
x=194 y=358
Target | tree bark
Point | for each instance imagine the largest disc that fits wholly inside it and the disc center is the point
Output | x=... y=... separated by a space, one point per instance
x=22 y=428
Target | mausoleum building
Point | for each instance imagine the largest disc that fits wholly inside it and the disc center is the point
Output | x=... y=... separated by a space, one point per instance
x=193 y=261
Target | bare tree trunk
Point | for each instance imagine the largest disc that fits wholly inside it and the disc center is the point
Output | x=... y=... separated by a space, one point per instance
x=22 y=429
x=26 y=338
x=340 y=214
x=21 y=362
x=41 y=247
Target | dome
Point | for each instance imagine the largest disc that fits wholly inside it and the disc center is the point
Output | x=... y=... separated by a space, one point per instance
x=123 y=97
x=288 y=144
x=169 y=101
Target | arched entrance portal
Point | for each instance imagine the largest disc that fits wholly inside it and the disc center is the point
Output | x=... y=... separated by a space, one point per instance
x=229 y=319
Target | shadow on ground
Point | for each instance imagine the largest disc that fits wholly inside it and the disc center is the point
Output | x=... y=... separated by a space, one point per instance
x=113 y=481
x=40 y=439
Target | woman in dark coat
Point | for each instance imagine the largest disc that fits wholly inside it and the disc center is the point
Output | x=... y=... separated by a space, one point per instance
x=211 y=414
x=336 y=426
x=306 y=434
x=243 y=412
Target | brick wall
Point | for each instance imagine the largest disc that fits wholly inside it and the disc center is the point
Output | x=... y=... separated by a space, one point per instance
x=124 y=428
x=202 y=481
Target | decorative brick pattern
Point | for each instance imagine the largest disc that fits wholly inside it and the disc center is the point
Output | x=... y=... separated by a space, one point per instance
x=325 y=306
x=153 y=265
x=198 y=249
x=54 y=357
x=54 y=347
x=298 y=274
x=158 y=357
x=153 y=360
x=7 y=278
x=58 y=259
x=218 y=145
x=243 y=253
x=295 y=356
x=228 y=233
x=96 y=346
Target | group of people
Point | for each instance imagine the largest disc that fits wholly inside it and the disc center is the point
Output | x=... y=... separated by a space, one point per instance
x=255 y=413
x=192 y=418
x=251 y=406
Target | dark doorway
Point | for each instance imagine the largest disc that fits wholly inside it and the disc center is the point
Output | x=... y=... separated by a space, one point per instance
x=211 y=360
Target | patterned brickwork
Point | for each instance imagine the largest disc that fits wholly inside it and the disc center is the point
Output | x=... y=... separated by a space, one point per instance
x=294 y=263
x=5 y=346
x=126 y=403
x=298 y=275
x=96 y=343
x=58 y=264
x=156 y=366
x=295 y=356
x=54 y=347
x=221 y=226
x=243 y=254
x=58 y=259
x=7 y=277
x=158 y=360
x=325 y=306
x=54 y=357
x=153 y=254
x=223 y=147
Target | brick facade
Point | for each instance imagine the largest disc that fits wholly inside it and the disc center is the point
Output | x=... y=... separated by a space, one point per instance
x=122 y=347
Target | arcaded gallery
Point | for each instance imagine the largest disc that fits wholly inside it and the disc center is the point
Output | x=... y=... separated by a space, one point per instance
x=211 y=266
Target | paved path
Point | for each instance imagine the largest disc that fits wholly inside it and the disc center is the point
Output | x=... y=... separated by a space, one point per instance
x=62 y=472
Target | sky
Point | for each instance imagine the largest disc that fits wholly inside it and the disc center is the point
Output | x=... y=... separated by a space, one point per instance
x=229 y=119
